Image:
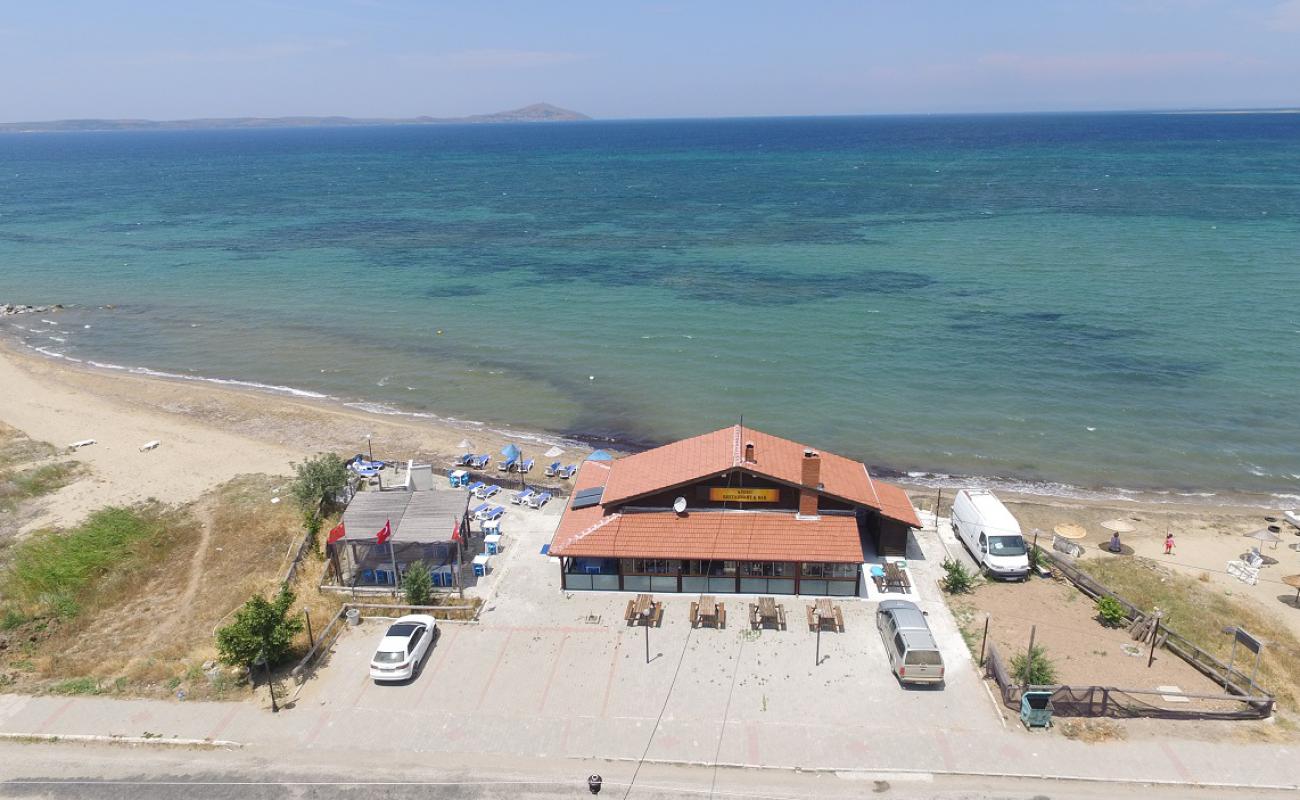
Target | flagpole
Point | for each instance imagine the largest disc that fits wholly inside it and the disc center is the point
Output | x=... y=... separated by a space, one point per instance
x=392 y=554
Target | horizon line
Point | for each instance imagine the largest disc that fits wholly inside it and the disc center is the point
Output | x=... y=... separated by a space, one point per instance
x=381 y=120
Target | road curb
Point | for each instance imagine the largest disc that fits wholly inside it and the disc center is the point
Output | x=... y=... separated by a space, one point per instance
x=860 y=773
x=95 y=738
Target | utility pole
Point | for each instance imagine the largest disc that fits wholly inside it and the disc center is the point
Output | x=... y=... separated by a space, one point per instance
x=1029 y=655
x=1155 y=634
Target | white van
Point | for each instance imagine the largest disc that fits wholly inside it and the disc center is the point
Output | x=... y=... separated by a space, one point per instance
x=991 y=534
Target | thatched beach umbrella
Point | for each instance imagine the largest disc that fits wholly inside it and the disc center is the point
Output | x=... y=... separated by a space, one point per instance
x=466 y=445
x=1266 y=535
x=553 y=452
x=1118 y=526
x=1070 y=530
x=1294 y=582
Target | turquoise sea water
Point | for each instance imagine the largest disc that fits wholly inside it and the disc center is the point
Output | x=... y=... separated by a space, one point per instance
x=1095 y=300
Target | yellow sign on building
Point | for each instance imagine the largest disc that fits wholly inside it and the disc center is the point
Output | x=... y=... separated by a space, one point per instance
x=723 y=494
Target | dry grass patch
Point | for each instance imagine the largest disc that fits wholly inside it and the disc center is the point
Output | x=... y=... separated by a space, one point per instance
x=17 y=448
x=148 y=625
x=1091 y=730
x=1198 y=611
x=21 y=477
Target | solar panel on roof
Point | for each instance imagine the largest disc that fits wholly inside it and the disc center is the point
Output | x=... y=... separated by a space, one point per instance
x=586 y=498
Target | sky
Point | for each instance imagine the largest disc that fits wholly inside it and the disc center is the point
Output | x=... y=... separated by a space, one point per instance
x=178 y=59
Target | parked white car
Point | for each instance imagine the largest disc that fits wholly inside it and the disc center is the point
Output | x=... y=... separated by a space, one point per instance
x=991 y=533
x=401 y=652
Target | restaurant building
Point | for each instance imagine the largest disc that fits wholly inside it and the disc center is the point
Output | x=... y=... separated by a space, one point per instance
x=732 y=511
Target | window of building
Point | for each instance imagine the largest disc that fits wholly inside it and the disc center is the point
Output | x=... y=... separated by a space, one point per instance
x=767 y=569
x=818 y=569
x=651 y=566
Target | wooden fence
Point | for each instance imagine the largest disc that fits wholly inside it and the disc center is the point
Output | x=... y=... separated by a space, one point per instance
x=1112 y=701
x=1231 y=679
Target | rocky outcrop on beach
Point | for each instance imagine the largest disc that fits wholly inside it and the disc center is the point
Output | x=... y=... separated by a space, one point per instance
x=12 y=309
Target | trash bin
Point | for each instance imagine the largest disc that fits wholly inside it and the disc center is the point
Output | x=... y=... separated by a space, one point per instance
x=1036 y=709
x=354 y=616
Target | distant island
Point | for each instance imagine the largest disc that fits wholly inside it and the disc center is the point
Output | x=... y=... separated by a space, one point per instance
x=537 y=112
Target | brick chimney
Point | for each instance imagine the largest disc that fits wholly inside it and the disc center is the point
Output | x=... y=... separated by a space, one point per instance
x=749 y=453
x=811 y=480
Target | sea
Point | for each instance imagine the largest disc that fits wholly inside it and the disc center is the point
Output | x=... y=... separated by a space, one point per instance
x=1059 y=303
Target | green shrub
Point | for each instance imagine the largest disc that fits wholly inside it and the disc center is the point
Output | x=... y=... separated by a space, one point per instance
x=417 y=586
x=1110 y=612
x=77 y=686
x=261 y=629
x=956 y=579
x=1036 y=671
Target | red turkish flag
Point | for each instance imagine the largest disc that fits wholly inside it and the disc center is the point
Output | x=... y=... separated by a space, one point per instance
x=336 y=534
x=385 y=533
x=455 y=531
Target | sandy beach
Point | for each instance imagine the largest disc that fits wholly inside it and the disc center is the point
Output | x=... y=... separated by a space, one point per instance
x=209 y=434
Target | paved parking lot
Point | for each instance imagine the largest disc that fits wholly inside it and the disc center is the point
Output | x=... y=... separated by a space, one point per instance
x=546 y=673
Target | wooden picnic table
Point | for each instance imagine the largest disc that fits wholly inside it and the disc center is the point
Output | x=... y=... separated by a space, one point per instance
x=823 y=611
x=643 y=610
x=707 y=610
x=767 y=609
x=896 y=578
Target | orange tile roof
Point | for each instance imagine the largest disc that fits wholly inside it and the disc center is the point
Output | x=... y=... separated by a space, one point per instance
x=713 y=535
x=699 y=457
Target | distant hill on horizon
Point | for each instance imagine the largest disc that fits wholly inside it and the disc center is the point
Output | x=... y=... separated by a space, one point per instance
x=537 y=112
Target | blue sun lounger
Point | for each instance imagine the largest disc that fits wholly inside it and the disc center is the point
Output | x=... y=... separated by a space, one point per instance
x=509 y=464
x=566 y=472
x=539 y=500
x=487 y=491
x=518 y=498
x=480 y=462
x=494 y=512
x=478 y=509
x=526 y=465
x=475 y=486
x=552 y=469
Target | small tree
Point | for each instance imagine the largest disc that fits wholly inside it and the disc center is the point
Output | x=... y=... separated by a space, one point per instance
x=1035 y=670
x=417 y=586
x=318 y=480
x=261 y=628
x=956 y=579
x=1110 y=612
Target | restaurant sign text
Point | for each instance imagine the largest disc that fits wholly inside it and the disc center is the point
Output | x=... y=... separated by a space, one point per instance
x=727 y=494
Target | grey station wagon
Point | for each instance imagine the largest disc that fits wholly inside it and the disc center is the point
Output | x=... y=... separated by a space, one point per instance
x=913 y=654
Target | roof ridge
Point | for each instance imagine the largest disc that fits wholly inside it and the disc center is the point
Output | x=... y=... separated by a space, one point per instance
x=735 y=446
x=871 y=482
x=577 y=537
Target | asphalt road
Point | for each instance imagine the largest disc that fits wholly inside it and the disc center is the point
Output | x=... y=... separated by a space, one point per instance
x=127 y=773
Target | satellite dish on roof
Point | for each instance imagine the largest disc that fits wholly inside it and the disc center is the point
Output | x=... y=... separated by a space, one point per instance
x=679 y=505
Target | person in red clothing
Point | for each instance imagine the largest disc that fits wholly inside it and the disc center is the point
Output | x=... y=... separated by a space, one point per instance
x=1169 y=544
